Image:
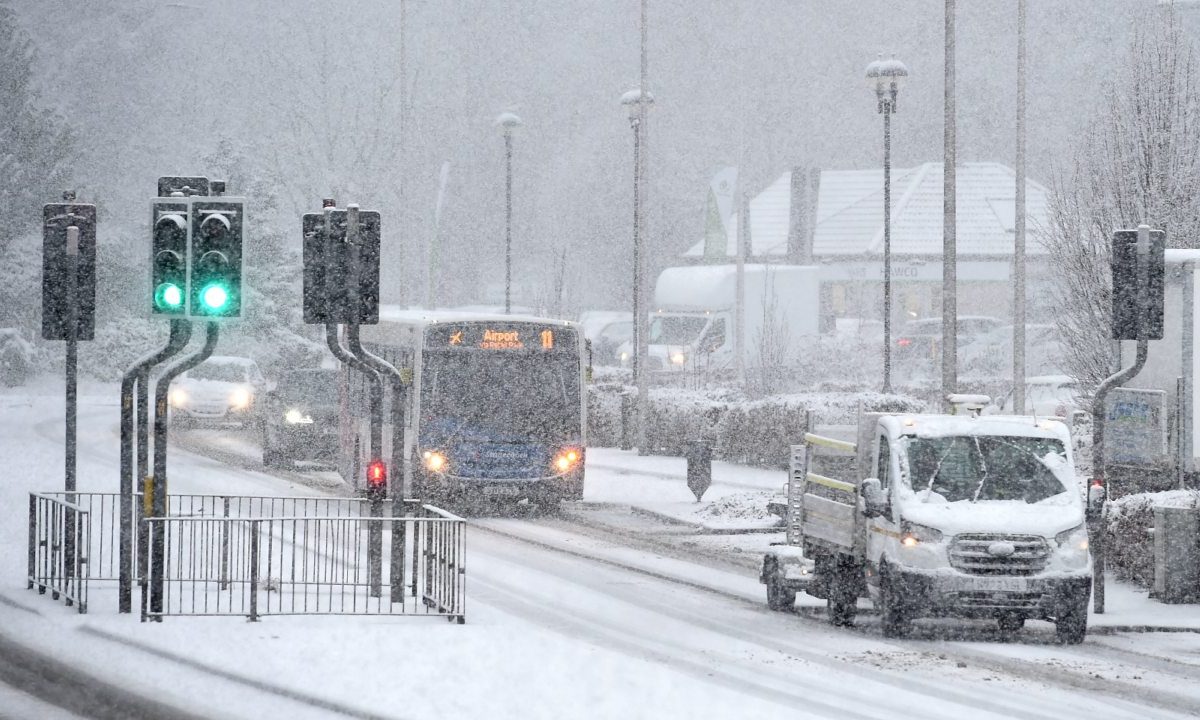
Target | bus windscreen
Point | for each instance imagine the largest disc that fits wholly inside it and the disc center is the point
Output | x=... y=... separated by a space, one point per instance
x=501 y=396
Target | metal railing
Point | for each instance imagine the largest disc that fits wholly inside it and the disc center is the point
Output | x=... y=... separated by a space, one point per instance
x=102 y=540
x=243 y=562
x=58 y=548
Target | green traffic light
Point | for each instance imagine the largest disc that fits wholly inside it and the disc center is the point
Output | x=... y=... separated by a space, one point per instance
x=168 y=296
x=214 y=297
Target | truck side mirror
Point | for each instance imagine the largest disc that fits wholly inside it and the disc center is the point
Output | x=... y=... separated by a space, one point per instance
x=874 y=501
x=1095 y=500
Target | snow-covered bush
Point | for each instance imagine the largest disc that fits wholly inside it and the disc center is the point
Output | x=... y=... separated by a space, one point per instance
x=1129 y=540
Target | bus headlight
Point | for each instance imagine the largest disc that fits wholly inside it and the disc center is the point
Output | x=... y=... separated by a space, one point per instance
x=567 y=459
x=435 y=461
x=239 y=399
x=179 y=397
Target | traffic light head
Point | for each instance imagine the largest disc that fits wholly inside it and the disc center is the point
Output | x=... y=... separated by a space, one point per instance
x=377 y=478
x=168 y=258
x=68 y=271
x=215 y=279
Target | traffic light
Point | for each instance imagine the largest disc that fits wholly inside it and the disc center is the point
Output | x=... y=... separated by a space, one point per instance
x=1127 y=303
x=57 y=260
x=368 y=268
x=168 y=257
x=316 y=302
x=215 y=277
x=376 y=479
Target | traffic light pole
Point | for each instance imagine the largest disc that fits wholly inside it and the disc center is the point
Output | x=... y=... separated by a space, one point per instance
x=159 y=486
x=396 y=481
x=375 y=535
x=1096 y=529
x=134 y=380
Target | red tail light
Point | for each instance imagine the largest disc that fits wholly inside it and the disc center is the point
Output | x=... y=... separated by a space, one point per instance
x=904 y=342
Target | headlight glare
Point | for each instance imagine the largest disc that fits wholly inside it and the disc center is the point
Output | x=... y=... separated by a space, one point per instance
x=179 y=397
x=912 y=534
x=566 y=459
x=1075 y=538
x=295 y=417
x=435 y=461
x=239 y=399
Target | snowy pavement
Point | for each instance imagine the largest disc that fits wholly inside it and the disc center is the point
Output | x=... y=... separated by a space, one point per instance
x=564 y=620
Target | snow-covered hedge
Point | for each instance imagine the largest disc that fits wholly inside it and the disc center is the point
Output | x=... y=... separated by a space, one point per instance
x=1128 y=533
x=756 y=432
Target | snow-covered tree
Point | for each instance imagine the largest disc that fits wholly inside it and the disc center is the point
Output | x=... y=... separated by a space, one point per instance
x=35 y=149
x=1137 y=162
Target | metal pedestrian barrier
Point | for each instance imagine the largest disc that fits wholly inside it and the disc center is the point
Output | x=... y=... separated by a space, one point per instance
x=58 y=548
x=315 y=565
x=258 y=555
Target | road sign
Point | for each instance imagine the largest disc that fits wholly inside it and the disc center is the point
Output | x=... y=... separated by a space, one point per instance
x=1135 y=431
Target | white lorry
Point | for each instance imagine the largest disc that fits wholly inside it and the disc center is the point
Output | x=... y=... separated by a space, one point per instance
x=692 y=319
x=938 y=515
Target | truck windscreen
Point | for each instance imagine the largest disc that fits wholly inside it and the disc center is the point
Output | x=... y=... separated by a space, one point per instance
x=676 y=329
x=978 y=468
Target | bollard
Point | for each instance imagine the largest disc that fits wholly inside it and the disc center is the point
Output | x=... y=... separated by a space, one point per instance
x=627 y=431
x=699 y=466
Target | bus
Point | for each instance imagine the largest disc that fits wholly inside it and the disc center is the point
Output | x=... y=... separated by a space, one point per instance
x=495 y=406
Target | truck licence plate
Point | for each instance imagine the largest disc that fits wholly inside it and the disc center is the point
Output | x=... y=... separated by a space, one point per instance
x=995 y=584
x=500 y=490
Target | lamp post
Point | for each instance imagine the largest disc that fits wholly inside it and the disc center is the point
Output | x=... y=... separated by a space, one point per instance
x=885 y=76
x=507 y=124
x=636 y=103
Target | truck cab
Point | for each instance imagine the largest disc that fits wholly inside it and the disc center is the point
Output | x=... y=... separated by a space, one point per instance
x=947 y=515
x=975 y=517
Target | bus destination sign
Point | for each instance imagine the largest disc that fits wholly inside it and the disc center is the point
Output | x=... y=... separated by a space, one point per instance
x=489 y=336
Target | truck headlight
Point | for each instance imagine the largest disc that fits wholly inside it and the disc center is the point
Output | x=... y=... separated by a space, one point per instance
x=912 y=534
x=1073 y=546
x=1076 y=537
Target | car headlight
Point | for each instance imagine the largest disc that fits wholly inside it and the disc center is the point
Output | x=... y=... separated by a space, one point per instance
x=179 y=397
x=567 y=459
x=912 y=534
x=295 y=417
x=435 y=461
x=239 y=399
x=678 y=358
x=1075 y=538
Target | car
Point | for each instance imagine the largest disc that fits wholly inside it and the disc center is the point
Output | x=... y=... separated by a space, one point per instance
x=917 y=349
x=299 y=418
x=1048 y=395
x=222 y=389
x=991 y=355
x=16 y=357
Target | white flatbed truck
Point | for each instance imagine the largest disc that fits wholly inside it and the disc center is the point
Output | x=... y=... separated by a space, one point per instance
x=937 y=515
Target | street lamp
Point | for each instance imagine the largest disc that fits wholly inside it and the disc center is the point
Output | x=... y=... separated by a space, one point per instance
x=886 y=76
x=636 y=102
x=507 y=123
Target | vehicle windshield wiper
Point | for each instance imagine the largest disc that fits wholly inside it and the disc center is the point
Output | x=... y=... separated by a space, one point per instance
x=983 y=463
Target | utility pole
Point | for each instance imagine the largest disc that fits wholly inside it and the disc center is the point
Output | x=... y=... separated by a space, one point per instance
x=1019 y=225
x=949 y=219
x=640 y=324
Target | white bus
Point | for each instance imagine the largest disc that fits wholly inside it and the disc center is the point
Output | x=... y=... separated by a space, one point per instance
x=496 y=405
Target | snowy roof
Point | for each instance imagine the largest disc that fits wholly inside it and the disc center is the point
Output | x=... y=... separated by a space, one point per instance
x=850 y=213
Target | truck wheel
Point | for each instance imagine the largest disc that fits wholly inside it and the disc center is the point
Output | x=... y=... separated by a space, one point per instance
x=1071 y=624
x=779 y=597
x=1010 y=623
x=841 y=612
x=893 y=616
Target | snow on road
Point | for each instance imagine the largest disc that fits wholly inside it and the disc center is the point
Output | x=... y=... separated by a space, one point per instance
x=569 y=625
